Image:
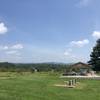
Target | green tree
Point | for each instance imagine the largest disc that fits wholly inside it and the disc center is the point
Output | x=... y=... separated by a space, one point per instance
x=95 y=56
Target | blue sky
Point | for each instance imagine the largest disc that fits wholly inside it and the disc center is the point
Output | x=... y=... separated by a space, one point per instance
x=48 y=30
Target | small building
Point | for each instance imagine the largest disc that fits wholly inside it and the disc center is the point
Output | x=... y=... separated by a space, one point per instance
x=81 y=68
x=80 y=65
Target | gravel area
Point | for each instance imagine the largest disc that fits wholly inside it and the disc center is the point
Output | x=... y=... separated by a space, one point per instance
x=82 y=77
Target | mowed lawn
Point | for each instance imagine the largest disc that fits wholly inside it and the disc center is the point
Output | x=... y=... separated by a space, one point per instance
x=40 y=86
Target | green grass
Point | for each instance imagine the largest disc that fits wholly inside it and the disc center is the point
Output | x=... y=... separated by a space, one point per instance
x=40 y=86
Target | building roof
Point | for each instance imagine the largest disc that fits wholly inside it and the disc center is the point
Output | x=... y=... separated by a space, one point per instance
x=80 y=65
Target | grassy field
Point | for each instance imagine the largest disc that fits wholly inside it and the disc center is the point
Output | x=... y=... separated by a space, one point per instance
x=40 y=86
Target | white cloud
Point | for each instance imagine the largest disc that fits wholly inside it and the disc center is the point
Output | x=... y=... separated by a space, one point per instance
x=73 y=57
x=68 y=52
x=70 y=56
x=84 y=2
x=13 y=52
x=3 y=28
x=4 y=47
x=17 y=46
x=80 y=43
x=13 y=47
x=96 y=34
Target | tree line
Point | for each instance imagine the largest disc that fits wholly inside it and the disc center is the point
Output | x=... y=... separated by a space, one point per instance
x=39 y=67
